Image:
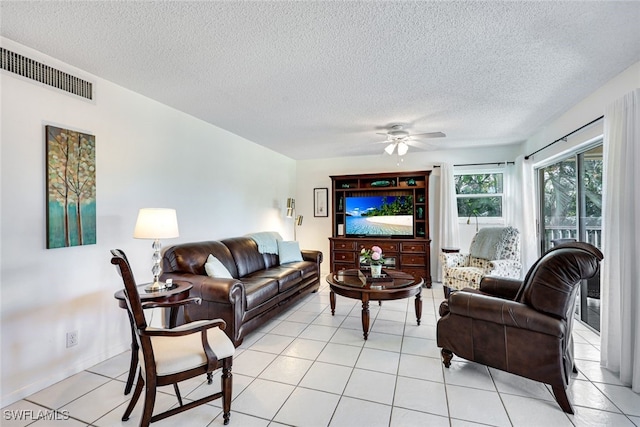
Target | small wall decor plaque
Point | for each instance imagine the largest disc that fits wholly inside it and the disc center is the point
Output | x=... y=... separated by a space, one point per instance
x=71 y=188
x=320 y=201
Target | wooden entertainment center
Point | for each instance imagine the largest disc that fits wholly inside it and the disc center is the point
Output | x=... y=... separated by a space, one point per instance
x=409 y=253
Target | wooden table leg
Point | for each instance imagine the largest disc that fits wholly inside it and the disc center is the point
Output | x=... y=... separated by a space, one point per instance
x=332 y=300
x=418 y=308
x=173 y=317
x=365 y=315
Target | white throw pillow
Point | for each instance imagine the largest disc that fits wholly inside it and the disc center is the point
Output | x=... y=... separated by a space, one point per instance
x=215 y=268
x=289 y=252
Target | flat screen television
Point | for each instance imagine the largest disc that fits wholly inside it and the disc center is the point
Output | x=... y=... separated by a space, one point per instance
x=382 y=215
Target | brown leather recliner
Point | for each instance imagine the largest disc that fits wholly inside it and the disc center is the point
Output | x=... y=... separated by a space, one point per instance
x=522 y=327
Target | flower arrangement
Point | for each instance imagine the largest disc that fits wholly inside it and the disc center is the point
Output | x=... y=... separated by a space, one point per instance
x=373 y=256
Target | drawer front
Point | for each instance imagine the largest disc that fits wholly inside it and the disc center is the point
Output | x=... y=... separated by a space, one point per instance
x=413 y=247
x=412 y=260
x=344 y=257
x=385 y=246
x=348 y=245
x=339 y=266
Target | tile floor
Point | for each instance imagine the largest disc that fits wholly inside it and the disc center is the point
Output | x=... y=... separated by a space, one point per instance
x=309 y=368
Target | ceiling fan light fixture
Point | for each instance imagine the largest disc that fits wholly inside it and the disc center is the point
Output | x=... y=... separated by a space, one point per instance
x=397 y=136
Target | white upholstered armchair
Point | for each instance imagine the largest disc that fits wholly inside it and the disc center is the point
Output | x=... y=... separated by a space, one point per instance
x=494 y=251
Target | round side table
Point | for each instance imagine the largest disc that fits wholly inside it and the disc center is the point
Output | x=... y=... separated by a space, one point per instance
x=450 y=250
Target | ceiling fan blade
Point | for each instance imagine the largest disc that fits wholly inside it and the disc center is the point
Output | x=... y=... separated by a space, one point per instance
x=420 y=145
x=428 y=135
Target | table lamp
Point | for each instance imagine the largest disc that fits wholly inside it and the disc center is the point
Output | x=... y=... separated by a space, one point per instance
x=156 y=224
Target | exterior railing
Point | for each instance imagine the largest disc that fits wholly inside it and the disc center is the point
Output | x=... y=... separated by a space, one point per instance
x=594 y=235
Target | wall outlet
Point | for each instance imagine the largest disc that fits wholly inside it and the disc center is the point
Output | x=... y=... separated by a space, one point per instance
x=72 y=338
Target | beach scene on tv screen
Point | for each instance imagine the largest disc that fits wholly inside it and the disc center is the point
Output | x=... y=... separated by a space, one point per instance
x=379 y=215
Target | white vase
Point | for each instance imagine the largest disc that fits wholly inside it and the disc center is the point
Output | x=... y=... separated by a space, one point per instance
x=376 y=270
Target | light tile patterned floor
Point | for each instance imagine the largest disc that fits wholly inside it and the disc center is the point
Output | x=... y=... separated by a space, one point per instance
x=308 y=368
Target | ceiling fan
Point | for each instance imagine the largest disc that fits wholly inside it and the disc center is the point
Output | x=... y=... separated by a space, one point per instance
x=400 y=138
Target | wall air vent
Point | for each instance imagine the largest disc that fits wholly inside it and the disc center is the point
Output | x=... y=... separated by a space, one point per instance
x=34 y=70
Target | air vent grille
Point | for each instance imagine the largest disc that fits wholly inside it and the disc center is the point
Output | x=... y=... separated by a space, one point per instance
x=34 y=70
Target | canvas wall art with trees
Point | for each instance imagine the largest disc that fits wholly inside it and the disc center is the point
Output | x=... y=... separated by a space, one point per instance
x=71 y=188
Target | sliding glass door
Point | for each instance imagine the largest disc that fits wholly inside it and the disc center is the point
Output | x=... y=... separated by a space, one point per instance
x=571 y=210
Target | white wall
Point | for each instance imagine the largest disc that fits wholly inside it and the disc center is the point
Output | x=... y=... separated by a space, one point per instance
x=148 y=155
x=585 y=111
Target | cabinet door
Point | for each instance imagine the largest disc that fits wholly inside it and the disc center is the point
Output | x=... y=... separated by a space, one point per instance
x=417 y=273
x=413 y=247
x=343 y=245
x=409 y=260
x=344 y=257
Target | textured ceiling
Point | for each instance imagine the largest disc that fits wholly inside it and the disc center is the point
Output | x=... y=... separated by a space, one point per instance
x=319 y=79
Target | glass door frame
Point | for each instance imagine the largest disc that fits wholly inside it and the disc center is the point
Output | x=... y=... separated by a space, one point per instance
x=581 y=228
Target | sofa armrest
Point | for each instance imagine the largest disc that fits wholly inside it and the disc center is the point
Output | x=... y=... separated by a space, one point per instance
x=311 y=255
x=504 y=312
x=501 y=287
x=212 y=289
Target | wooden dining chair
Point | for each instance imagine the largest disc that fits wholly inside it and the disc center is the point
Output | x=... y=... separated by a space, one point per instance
x=169 y=356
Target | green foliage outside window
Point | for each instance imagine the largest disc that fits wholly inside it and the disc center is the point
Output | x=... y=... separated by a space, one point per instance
x=560 y=192
x=480 y=195
x=400 y=206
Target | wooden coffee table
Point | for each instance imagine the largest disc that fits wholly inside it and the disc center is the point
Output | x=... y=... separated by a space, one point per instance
x=358 y=284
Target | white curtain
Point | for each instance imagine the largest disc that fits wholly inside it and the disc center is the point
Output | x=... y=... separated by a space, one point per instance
x=520 y=208
x=448 y=232
x=620 y=336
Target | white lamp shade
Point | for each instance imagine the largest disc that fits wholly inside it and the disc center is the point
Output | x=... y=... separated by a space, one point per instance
x=389 y=149
x=156 y=223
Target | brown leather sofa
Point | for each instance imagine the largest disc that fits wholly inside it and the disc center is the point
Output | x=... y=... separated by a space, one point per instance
x=260 y=289
x=522 y=327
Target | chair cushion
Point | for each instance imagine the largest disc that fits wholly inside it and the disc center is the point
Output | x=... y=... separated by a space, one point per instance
x=177 y=354
x=191 y=257
x=496 y=243
x=245 y=255
x=259 y=289
x=286 y=276
x=307 y=268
